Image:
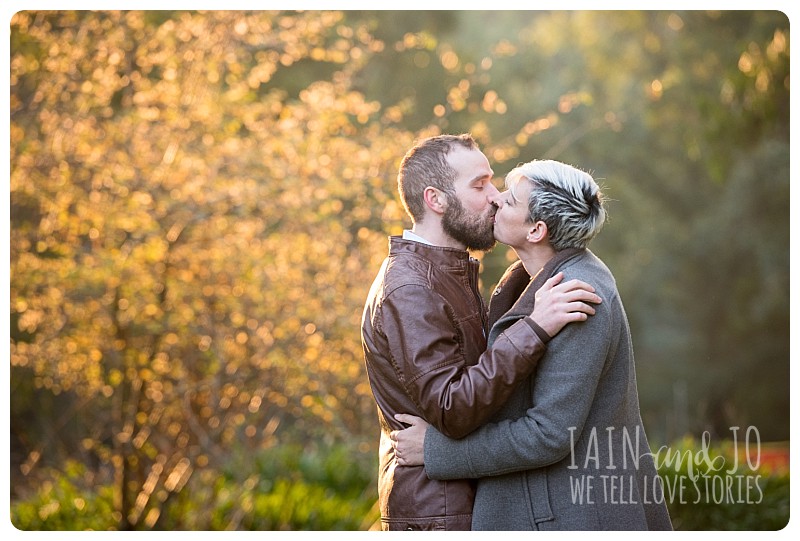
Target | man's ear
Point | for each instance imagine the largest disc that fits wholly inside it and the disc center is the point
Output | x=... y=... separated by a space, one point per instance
x=537 y=232
x=435 y=199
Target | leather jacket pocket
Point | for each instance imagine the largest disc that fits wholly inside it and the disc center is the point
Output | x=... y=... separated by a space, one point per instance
x=413 y=524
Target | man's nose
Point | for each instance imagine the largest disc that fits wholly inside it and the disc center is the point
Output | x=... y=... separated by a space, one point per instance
x=493 y=195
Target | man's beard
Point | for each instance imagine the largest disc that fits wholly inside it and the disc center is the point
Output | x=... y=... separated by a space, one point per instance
x=475 y=232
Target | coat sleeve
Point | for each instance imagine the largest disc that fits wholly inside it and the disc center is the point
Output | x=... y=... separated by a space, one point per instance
x=562 y=394
x=453 y=393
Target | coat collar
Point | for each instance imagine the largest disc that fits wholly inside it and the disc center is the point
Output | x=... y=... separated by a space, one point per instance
x=438 y=255
x=515 y=294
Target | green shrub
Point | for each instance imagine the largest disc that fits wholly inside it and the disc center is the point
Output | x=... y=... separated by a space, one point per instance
x=333 y=488
x=284 y=488
x=65 y=503
x=715 y=498
x=296 y=488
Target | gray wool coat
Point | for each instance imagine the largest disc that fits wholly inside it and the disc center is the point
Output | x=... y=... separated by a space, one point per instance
x=568 y=450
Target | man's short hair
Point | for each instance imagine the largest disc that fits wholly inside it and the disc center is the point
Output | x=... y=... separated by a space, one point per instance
x=566 y=199
x=426 y=165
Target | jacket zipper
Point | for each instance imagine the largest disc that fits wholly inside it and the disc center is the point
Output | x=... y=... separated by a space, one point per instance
x=473 y=282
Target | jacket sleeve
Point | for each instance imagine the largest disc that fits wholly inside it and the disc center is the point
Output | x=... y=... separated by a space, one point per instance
x=452 y=394
x=563 y=392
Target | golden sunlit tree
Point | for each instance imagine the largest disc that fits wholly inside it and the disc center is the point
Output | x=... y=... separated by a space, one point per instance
x=191 y=244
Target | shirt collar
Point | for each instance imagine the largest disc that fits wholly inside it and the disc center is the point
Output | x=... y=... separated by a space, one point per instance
x=410 y=235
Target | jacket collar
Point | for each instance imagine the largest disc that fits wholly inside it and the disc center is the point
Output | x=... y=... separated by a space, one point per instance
x=515 y=295
x=438 y=255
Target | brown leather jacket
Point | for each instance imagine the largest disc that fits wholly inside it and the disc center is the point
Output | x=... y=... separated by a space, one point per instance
x=424 y=334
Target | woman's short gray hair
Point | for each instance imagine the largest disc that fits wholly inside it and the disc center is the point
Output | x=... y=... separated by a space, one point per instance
x=565 y=198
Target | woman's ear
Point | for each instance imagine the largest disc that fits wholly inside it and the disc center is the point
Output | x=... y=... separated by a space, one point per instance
x=537 y=232
x=435 y=199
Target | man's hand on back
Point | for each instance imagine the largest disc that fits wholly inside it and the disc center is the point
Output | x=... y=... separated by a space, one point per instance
x=409 y=443
x=558 y=304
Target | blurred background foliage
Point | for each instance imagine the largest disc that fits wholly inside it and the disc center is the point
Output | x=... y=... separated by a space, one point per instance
x=200 y=200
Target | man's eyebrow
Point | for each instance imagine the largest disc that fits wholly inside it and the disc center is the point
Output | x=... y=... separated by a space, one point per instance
x=481 y=178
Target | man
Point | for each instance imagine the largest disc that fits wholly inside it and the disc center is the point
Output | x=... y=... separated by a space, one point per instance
x=424 y=326
x=568 y=450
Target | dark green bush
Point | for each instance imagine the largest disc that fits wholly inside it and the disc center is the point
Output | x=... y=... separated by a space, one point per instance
x=67 y=502
x=333 y=488
x=284 y=488
x=715 y=498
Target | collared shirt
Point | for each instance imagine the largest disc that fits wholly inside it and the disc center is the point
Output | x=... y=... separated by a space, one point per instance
x=410 y=235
